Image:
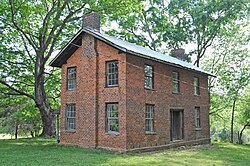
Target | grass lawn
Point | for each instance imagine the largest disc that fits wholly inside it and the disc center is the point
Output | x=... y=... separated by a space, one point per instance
x=48 y=152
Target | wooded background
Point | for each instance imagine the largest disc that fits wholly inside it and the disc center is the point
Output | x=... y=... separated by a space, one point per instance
x=215 y=34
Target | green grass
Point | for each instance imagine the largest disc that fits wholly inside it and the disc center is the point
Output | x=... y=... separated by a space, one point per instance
x=48 y=152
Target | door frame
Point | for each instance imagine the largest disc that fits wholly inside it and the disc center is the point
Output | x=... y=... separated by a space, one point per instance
x=181 y=111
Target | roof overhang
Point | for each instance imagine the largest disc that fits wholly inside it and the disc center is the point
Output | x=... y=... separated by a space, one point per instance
x=62 y=57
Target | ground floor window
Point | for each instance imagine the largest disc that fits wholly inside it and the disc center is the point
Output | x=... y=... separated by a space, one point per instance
x=149 y=118
x=197 y=117
x=112 y=117
x=70 y=117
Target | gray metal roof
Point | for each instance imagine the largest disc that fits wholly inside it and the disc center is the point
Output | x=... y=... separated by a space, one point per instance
x=124 y=46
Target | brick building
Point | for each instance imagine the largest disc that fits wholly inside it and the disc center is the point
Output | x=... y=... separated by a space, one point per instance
x=121 y=96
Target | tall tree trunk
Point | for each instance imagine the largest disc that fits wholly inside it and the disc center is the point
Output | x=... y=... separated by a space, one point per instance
x=232 y=122
x=41 y=99
x=16 y=129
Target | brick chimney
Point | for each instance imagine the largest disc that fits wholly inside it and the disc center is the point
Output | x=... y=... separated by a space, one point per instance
x=91 y=20
x=178 y=53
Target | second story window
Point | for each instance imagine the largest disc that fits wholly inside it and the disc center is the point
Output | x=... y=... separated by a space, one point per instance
x=176 y=82
x=149 y=77
x=71 y=78
x=196 y=86
x=112 y=73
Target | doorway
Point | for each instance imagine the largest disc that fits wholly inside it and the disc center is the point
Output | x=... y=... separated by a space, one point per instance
x=177 y=127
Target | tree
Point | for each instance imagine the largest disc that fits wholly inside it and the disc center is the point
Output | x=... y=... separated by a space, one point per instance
x=176 y=23
x=30 y=32
x=17 y=114
x=231 y=64
x=244 y=118
x=205 y=20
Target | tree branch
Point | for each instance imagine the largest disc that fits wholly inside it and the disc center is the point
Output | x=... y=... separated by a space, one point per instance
x=66 y=20
x=140 y=38
x=32 y=43
x=149 y=31
x=17 y=90
x=26 y=48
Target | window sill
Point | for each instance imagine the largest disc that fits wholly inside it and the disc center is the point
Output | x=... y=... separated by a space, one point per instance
x=197 y=95
x=70 y=131
x=113 y=133
x=197 y=129
x=150 y=133
x=152 y=89
x=111 y=86
x=176 y=93
x=177 y=140
x=71 y=90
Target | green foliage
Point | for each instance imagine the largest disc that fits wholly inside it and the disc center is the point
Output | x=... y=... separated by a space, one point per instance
x=163 y=25
x=19 y=113
x=30 y=32
x=244 y=108
x=230 y=62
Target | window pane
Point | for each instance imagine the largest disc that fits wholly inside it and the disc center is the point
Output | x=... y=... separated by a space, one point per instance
x=175 y=80
x=112 y=73
x=148 y=70
x=71 y=78
x=149 y=121
x=112 y=117
x=196 y=86
x=148 y=80
x=70 y=117
x=197 y=117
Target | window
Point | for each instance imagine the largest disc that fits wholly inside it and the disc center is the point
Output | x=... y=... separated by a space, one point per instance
x=149 y=118
x=70 y=117
x=196 y=86
x=112 y=73
x=149 y=76
x=176 y=82
x=197 y=117
x=72 y=78
x=112 y=117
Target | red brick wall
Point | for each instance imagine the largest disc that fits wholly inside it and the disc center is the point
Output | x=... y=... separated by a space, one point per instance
x=111 y=95
x=84 y=59
x=164 y=100
x=91 y=96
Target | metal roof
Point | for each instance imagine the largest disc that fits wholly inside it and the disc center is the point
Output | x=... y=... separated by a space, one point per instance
x=121 y=45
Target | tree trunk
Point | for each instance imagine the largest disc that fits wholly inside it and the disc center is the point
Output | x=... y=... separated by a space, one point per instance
x=198 y=61
x=16 y=129
x=41 y=99
x=232 y=122
x=49 y=123
x=241 y=133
